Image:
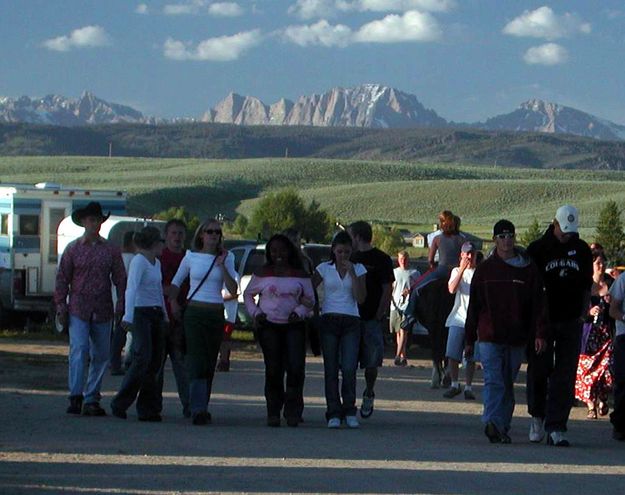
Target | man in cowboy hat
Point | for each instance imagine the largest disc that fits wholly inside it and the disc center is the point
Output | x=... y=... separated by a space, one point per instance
x=87 y=267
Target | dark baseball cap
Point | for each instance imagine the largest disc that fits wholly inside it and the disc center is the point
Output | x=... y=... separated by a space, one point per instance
x=503 y=227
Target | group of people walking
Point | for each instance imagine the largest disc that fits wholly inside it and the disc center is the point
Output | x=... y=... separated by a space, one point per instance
x=545 y=305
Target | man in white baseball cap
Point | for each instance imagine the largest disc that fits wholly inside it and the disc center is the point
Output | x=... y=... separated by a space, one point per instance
x=565 y=263
x=567 y=217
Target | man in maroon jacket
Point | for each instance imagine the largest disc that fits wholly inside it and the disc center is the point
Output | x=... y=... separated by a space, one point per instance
x=506 y=311
x=173 y=252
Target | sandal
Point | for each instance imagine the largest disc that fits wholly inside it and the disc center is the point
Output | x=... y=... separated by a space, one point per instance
x=592 y=414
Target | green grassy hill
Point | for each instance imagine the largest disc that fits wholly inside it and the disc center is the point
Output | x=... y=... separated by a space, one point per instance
x=394 y=192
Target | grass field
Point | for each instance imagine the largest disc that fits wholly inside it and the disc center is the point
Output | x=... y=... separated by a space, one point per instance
x=393 y=192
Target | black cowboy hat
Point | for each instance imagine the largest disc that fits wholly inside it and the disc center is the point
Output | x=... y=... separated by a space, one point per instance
x=93 y=209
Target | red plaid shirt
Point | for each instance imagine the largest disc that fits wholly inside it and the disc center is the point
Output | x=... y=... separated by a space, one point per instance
x=85 y=274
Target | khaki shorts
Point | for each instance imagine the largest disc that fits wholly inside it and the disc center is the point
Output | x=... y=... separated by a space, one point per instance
x=395 y=320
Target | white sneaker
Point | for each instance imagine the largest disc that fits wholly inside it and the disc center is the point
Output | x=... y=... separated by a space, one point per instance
x=352 y=421
x=537 y=430
x=334 y=423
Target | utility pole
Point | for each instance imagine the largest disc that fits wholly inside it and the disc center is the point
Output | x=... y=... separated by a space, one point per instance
x=110 y=149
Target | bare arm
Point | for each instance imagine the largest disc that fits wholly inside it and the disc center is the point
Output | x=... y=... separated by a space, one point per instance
x=454 y=282
x=385 y=301
x=359 y=287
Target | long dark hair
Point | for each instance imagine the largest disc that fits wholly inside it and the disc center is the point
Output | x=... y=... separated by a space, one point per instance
x=294 y=259
x=341 y=237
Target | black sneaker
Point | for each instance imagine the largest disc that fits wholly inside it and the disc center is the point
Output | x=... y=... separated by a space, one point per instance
x=201 y=419
x=366 y=408
x=151 y=418
x=397 y=361
x=469 y=395
x=494 y=435
x=118 y=413
x=75 y=405
x=452 y=392
x=273 y=421
x=93 y=409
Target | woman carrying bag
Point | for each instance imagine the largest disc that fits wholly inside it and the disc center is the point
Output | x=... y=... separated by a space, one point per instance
x=209 y=268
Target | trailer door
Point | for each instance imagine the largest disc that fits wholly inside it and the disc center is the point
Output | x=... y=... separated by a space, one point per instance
x=52 y=214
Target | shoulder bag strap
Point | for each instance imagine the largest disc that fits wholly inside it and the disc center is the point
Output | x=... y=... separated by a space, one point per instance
x=203 y=280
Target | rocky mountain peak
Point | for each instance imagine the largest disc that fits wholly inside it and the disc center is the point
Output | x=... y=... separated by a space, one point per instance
x=366 y=105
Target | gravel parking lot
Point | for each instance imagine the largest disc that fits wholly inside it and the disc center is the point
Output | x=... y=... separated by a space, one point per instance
x=415 y=442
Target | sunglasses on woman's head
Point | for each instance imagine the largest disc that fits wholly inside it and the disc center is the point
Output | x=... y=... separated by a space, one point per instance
x=507 y=235
x=212 y=231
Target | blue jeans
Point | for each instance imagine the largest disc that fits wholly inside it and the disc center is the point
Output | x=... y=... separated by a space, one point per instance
x=88 y=342
x=147 y=360
x=501 y=366
x=340 y=343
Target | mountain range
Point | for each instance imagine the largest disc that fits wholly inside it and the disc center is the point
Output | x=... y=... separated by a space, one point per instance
x=364 y=106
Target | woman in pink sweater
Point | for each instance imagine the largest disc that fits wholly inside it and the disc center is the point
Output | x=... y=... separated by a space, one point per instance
x=279 y=297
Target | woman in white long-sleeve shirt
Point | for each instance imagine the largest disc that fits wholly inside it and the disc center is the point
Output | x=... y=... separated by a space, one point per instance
x=144 y=317
x=204 y=316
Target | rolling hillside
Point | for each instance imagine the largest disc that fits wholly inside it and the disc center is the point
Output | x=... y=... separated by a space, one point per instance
x=396 y=192
x=220 y=141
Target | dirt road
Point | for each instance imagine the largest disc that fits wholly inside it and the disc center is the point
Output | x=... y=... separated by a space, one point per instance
x=415 y=442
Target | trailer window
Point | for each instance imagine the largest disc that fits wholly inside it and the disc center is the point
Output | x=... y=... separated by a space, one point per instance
x=56 y=216
x=4 y=224
x=29 y=225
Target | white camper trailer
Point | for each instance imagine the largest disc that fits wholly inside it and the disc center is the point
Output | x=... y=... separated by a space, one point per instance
x=29 y=246
x=113 y=229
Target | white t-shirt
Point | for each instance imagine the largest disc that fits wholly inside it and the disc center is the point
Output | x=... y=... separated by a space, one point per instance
x=617 y=291
x=195 y=265
x=338 y=297
x=458 y=314
x=144 y=287
x=403 y=280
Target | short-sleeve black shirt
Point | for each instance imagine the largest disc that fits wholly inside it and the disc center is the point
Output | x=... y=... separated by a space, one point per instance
x=379 y=272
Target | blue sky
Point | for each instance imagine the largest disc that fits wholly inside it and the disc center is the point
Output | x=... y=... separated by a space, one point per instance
x=466 y=59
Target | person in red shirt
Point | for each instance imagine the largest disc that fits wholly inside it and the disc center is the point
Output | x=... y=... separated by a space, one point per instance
x=173 y=252
x=83 y=299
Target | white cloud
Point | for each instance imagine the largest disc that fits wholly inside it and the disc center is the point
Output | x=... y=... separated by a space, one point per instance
x=320 y=33
x=225 y=9
x=412 y=26
x=141 y=9
x=404 y=5
x=85 y=37
x=547 y=54
x=545 y=23
x=195 y=7
x=220 y=49
x=311 y=9
x=314 y=9
x=188 y=8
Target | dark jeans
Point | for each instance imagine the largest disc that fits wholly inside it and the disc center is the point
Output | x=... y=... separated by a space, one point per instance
x=118 y=340
x=551 y=375
x=284 y=351
x=340 y=343
x=204 y=331
x=174 y=349
x=147 y=358
x=617 y=418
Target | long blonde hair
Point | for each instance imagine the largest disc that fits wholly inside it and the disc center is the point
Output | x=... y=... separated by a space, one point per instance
x=197 y=244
